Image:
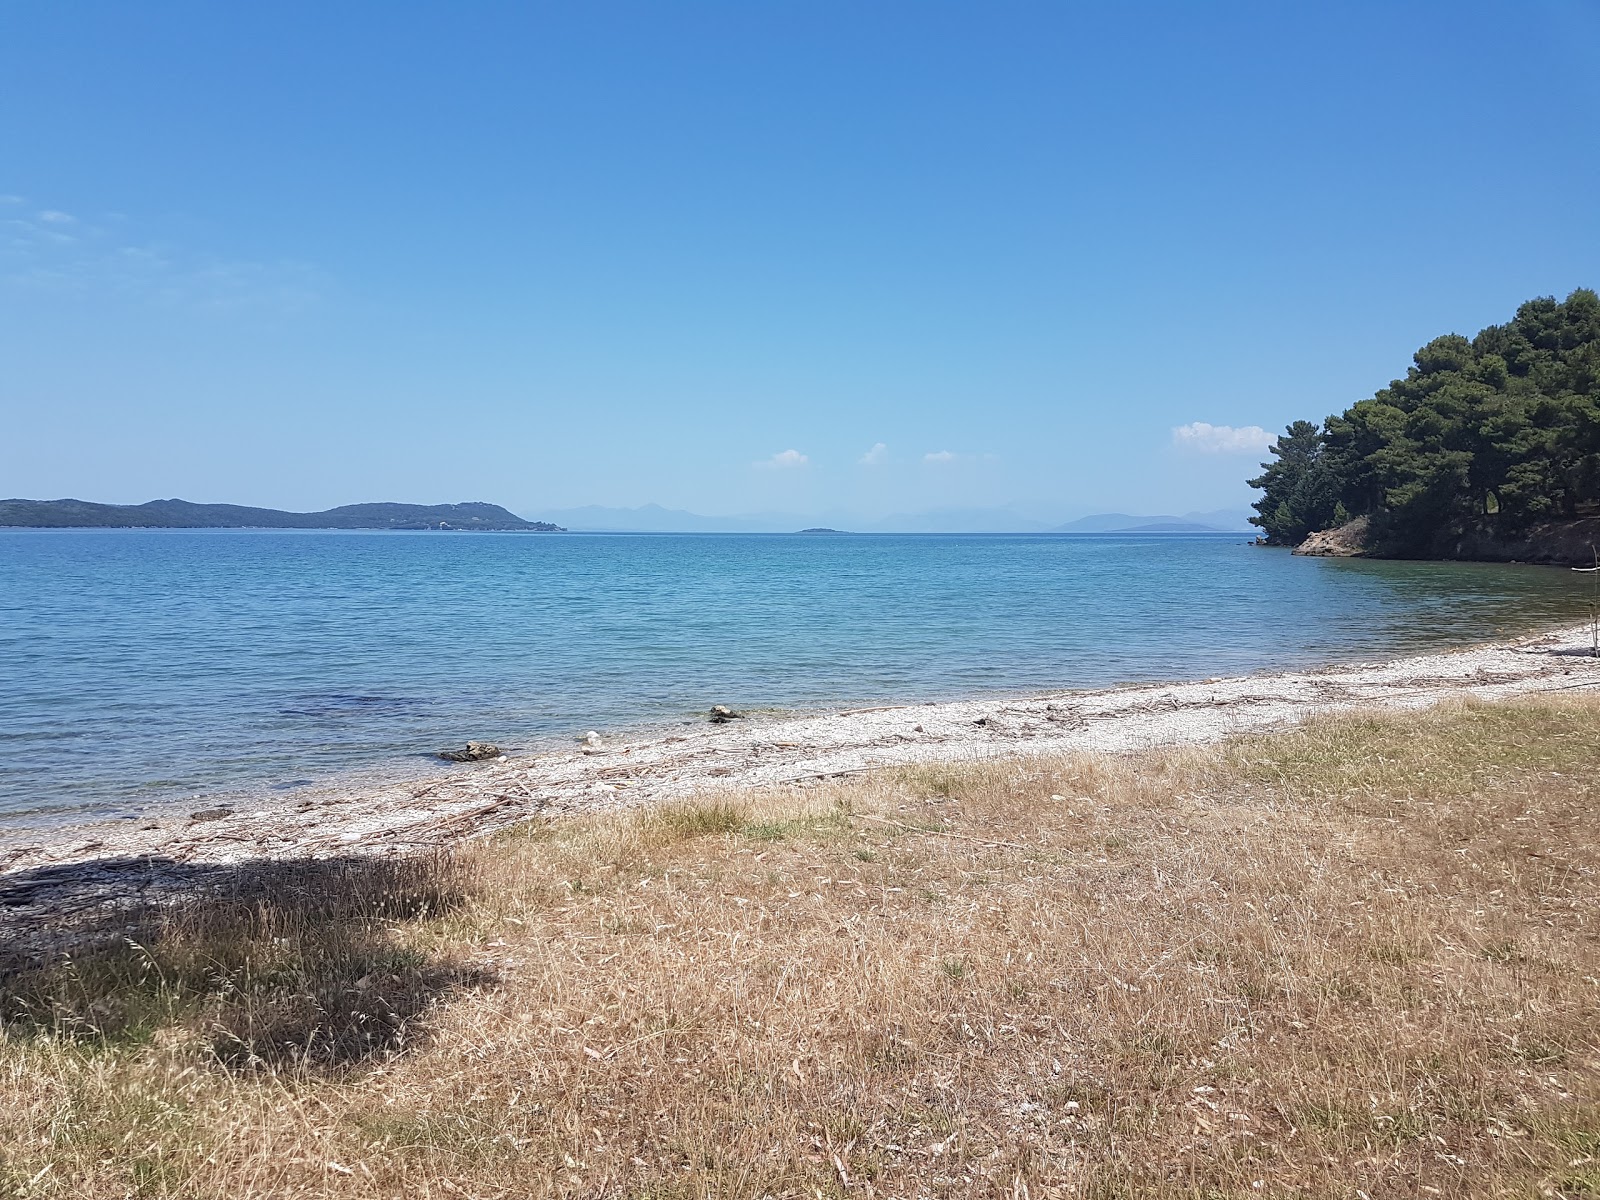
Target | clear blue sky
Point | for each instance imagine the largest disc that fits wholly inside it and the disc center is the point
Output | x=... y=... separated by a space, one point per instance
x=307 y=254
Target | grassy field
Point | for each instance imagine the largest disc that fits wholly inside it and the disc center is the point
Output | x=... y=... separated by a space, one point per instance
x=1361 y=958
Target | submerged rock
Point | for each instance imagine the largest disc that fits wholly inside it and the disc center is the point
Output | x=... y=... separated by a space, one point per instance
x=474 y=752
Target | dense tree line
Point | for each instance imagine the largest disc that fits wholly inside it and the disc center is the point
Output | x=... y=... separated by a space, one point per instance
x=1499 y=430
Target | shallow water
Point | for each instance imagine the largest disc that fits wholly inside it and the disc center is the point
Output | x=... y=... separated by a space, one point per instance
x=139 y=666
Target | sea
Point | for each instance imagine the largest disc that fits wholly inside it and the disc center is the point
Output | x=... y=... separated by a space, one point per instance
x=142 y=667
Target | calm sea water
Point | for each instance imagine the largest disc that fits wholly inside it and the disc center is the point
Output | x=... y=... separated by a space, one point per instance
x=145 y=666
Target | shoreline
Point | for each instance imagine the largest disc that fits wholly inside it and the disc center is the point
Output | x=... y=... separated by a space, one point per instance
x=760 y=751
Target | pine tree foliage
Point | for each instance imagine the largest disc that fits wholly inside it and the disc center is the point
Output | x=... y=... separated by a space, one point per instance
x=1500 y=429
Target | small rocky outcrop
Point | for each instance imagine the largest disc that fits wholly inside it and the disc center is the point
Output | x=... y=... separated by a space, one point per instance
x=1569 y=542
x=1347 y=541
x=474 y=752
x=721 y=713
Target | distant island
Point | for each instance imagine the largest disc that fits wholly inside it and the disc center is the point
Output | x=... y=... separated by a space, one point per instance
x=823 y=529
x=181 y=514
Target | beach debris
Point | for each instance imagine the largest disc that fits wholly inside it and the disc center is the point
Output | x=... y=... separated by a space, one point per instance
x=591 y=738
x=474 y=752
x=721 y=713
x=210 y=814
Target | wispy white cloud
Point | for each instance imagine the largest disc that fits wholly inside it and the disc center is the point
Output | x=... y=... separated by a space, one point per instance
x=939 y=456
x=12 y=198
x=785 y=460
x=1202 y=437
x=876 y=455
x=51 y=251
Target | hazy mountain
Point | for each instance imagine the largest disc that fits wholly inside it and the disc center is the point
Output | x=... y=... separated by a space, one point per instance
x=181 y=514
x=1171 y=527
x=653 y=518
x=1222 y=520
x=648 y=518
x=1105 y=523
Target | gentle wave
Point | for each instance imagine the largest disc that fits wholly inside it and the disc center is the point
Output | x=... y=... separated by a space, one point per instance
x=143 y=665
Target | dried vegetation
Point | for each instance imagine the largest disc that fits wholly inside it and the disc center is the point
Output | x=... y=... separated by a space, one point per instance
x=1356 y=958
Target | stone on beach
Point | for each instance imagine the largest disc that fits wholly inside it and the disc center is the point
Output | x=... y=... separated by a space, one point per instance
x=210 y=814
x=721 y=713
x=445 y=807
x=474 y=752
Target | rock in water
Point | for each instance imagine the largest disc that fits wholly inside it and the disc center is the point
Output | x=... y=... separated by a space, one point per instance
x=1347 y=541
x=474 y=752
x=721 y=713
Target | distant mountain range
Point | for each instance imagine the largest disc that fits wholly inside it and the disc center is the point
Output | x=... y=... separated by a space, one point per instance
x=181 y=514
x=1221 y=520
x=652 y=518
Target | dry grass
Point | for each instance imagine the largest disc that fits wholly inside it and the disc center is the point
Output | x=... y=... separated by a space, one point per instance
x=1359 y=958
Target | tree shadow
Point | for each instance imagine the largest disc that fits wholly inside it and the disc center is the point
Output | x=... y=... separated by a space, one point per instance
x=262 y=964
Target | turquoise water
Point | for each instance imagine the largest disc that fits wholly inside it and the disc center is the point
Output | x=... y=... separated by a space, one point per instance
x=139 y=666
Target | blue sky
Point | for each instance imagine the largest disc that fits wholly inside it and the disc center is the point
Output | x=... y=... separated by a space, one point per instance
x=713 y=255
